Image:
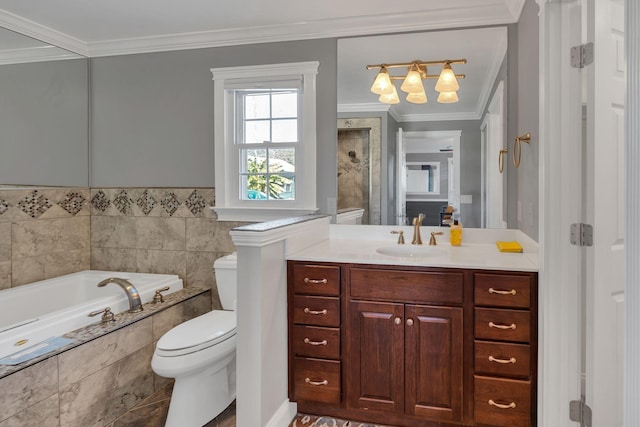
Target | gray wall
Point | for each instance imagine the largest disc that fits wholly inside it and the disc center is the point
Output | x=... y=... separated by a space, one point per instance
x=43 y=117
x=153 y=114
x=528 y=118
x=470 y=161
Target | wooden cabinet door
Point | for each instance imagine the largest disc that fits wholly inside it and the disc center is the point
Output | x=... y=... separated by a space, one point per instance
x=375 y=370
x=434 y=362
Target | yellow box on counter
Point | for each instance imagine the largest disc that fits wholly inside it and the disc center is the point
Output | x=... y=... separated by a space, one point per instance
x=509 y=247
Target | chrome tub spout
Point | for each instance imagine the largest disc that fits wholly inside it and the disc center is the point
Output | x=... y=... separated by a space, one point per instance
x=135 y=304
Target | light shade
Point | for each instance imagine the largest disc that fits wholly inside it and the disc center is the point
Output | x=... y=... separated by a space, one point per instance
x=448 y=97
x=391 y=98
x=382 y=84
x=413 y=82
x=447 y=81
x=417 y=98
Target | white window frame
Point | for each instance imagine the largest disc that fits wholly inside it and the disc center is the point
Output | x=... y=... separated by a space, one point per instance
x=229 y=206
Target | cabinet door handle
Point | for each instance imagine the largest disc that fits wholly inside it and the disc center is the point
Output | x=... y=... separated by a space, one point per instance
x=307 y=310
x=323 y=382
x=499 y=326
x=501 y=292
x=409 y=322
x=308 y=341
x=502 y=406
x=315 y=281
x=503 y=361
x=397 y=320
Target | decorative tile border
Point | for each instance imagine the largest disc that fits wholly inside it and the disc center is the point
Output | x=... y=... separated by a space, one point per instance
x=153 y=202
x=29 y=204
x=34 y=204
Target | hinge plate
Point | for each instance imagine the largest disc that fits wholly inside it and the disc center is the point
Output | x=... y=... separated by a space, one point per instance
x=582 y=55
x=580 y=412
x=581 y=234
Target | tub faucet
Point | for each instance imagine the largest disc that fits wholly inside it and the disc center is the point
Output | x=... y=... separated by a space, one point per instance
x=417 y=222
x=135 y=304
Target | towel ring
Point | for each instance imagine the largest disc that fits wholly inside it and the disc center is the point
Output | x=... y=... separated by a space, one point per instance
x=517 y=147
x=501 y=155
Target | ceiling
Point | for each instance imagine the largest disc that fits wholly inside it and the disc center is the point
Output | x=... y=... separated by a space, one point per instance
x=113 y=27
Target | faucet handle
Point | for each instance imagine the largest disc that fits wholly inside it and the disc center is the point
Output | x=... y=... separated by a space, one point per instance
x=158 y=297
x=107 y=317
x=432 y=240
x=400 y=237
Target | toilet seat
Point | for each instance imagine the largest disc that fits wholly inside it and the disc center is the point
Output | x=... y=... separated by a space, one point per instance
x=198 y=333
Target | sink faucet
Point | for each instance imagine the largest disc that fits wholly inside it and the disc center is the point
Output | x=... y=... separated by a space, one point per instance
x=432 y=240
x=132 y=293
x=417 y=222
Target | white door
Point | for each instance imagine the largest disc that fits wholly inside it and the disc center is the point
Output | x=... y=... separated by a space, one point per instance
x=604 y=313
x=401 y=180
x=492 y=130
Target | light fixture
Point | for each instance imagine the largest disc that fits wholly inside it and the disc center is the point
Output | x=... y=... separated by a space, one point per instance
x=447 y=83
x=448 y=97
x=382 y=84
x=390 y=98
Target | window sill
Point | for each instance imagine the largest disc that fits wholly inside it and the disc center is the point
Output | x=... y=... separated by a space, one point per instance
x=258 y=214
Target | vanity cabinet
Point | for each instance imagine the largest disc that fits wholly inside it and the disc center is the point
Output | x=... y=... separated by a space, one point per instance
x=413 y=346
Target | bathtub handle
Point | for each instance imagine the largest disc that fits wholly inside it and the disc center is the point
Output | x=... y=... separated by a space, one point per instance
x=158 y=297
x=107 y=317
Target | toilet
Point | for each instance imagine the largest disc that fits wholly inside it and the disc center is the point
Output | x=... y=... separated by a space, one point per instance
x=201 y=355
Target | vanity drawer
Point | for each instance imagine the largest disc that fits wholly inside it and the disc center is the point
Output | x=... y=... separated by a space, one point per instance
x=410 y=286
x=502 y=290
x=502 y=325
x=319 y=311
x=317 y=380
x=502 y=402
x=512 y=360
x=316 y=279
x=312 y=341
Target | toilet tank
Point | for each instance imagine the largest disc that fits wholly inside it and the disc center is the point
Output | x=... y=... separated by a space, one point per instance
x=226 y=279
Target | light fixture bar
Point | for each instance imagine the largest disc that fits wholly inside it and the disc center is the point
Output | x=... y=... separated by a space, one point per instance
x=428 y=76
x=419 y=63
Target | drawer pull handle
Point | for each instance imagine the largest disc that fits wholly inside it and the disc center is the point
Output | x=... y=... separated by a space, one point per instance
x=316 y=312
x=315 y=281
x=503 y=361
x=308 y=341
x=499 y=326
x=501 y=292
x=323 y=382
x=502 y=406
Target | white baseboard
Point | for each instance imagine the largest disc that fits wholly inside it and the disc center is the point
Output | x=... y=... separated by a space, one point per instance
x=283 y=415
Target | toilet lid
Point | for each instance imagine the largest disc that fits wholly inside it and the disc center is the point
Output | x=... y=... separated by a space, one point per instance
x=203 y=331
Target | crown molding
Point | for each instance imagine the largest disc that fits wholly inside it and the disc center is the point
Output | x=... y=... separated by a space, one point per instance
x=368 y=107
x=440 y=117
x=498 y=12
x=382 y=108
x=35 y=54
x=40 y=32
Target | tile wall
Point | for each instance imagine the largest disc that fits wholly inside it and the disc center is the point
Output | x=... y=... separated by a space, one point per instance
x=44 y=233
x=159 y=230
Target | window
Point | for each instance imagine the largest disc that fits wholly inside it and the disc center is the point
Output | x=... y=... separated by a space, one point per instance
x=264 y=118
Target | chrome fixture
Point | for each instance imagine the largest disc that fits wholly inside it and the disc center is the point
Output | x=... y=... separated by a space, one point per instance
x=107 y=317
x=417 y=222
x=447 y=84
x=432 y=240
x=135 y=304
x=400 y=236
x=158 y=297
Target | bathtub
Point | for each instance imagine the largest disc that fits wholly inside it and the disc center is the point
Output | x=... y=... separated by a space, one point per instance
x=32 y=313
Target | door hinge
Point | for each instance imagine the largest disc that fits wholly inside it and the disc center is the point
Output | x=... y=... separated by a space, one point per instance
x=582 y=55
x=581 y=234
x=580 y=412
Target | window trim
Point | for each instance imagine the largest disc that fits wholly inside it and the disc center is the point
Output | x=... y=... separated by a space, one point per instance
x=229 y=207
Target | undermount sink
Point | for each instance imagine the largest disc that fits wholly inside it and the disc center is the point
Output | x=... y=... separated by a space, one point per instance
x=411 y=251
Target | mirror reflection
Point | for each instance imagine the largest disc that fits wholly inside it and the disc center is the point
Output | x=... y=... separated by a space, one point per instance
x=43 y=114
x=431 y=156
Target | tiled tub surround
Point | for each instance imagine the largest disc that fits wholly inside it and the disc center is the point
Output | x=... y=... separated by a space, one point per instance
x=159 y=230
x=103 y=375
x=44 y=233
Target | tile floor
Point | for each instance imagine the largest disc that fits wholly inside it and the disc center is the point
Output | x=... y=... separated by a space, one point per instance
x=152 y=412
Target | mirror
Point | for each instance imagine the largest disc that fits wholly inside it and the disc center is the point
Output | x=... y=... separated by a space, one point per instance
x=467 y=179
x=44 y=111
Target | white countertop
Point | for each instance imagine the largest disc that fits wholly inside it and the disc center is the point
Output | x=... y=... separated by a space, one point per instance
x=358 y=244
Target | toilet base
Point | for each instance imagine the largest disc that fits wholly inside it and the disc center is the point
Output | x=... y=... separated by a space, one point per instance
x=199 y=398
